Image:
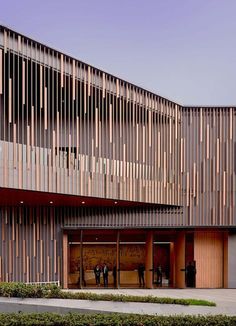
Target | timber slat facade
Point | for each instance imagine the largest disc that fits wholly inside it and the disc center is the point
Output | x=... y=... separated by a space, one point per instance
x=149 y=163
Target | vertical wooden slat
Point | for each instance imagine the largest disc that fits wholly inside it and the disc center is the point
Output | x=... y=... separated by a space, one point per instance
x=19 y=43
x=17 y=240
x=5 y=40
x=110 y=123
x=45 y=108
x=55 y=255
x=231 y=124
x=176 y=121
x=103 y=84
x=218 y=155
x=24 y=256
x=73 y=80
x=65 y=261
x=23 y=83
x=28 y=147
x=48 y=269
x=1 y=73
x=224 y=188
x=27 y=269
x=34 y=240
x=62 y=70
x=41 y=256
x=41 y=86
x=208 y=142
x=201 y=125
x=89 y=80
x=10 y=101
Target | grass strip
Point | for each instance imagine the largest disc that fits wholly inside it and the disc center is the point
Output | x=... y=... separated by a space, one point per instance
x=134 y=298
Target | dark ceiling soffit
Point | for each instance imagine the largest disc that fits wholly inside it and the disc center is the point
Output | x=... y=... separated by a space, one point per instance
x=14 y=196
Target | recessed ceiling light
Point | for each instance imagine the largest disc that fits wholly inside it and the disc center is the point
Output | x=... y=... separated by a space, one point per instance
x=115 y=202
x=83 y=202
x=21 y=202
x=51 y=202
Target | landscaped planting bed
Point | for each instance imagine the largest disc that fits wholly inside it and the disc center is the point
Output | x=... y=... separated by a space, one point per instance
x=22 y=290
x=46 y=319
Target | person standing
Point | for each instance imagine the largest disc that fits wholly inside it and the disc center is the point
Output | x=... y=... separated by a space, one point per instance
x=159 y=275
x=97 y=273
x=141 y=269
x=190 y=275
x=105 y=275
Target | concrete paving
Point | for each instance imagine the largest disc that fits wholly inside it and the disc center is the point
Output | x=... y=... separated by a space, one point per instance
x=224 y=298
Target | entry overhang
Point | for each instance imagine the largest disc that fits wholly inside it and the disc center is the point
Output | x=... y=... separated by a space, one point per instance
x=20 y=197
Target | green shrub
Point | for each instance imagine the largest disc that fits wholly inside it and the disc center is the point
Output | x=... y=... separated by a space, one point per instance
x=53 y=291
x=22 y=290
x=46 y=319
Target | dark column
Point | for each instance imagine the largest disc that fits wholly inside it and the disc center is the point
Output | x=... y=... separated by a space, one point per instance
x=81 y=274
x=118 y=259
x=149 y=260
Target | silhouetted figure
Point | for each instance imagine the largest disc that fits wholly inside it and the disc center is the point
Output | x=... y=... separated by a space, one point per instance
x=190 y=275
x=83 y=279
x=159 y=275
x=167 y=272
x=97 y=273
x=141 y=269
x=105 y=275
x=114 y=274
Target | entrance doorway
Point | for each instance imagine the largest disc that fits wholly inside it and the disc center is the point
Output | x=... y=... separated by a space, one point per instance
x=162 y=267
x=133 y=258
x=190 y=269
x=92 y=259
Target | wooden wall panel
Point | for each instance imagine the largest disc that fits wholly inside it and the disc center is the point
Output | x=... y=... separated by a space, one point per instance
x=29 y=250
x=179 y=259
x=208 y=179
x=209 y=257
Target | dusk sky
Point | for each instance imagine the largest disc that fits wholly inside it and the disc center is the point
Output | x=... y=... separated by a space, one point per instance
x=184 y=50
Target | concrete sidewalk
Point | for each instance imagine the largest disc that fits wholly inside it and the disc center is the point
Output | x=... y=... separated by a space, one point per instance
x=224 y=298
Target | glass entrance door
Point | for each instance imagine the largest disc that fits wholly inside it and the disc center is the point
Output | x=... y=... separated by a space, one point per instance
x=132 y=259
x=92 y=259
